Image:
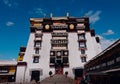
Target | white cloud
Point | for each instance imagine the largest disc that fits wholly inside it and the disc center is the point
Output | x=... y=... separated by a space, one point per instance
x=13 y=59
x=6 y=2
x=109 y=32
x=10 y=3
x=9 y=23
x=37 y=11
x=89 y=13
x=94 y=16
x=105 y=42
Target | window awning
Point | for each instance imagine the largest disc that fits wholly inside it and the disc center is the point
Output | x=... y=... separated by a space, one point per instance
x=10 y=73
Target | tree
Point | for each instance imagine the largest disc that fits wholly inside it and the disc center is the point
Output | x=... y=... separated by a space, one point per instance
x=66 y=73
x=50 y=73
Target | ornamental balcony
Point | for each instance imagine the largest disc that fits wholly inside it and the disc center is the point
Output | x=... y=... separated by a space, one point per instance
x=80 y=26
x=59 y=47
x=81 y=32
x=60 y=34
x=36 y=27
x=64 y=52
x=59 y=41
x=63 y=26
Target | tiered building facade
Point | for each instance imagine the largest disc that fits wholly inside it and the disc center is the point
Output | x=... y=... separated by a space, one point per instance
x=7 y=71
x=59 y=45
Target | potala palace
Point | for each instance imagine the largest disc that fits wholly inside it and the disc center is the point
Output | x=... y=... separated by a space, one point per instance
x=57 y=45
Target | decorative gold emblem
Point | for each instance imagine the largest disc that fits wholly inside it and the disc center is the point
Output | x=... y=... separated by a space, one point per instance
x=51 y=53
x=47 y=26
x=65 y=52
x=58 y=53
x=71 y=26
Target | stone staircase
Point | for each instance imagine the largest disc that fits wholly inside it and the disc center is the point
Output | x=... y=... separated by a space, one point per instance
x=57 y=79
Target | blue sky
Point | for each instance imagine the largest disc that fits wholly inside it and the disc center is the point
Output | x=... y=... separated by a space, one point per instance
x=14 y=20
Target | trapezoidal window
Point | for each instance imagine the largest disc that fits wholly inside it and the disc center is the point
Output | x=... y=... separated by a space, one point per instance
x=52 y=59
x=37 y=44
x=36 y=59
x=36 y=50
x=82 y=45
x=65 y=59
x=82 y=51
x=83 y=59
x=81 y=37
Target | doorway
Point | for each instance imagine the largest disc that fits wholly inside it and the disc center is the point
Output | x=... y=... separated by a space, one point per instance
x=35 y=75
x=78 y=75
x=59 y=67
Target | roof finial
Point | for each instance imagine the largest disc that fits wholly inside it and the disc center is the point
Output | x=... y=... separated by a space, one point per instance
x=51 y=15
x=67 y=14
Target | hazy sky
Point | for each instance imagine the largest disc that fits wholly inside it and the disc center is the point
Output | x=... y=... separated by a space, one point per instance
x=15 y=14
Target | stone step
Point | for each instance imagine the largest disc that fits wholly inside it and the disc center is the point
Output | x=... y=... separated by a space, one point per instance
x=57 y=79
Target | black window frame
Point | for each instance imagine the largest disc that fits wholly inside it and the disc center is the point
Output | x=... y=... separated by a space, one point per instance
x=36 y=50
x=83 y=59
x=81 y=36
x=52 y=59
x=37 y=44
x=81 y=43
x=83 y=51
x=36 y=59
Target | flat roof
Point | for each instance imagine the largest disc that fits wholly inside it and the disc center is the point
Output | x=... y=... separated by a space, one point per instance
x=8 y=63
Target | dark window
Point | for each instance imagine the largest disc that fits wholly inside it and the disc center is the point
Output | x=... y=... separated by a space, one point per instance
x=82 y=51
x=82 y=45
x=59 y=61
x=65 y=59
x=81 y=37
x=58 y=57
x=4 y=69
x=52 y=59
x=78 y=73
x=83 y=59
x=37 y=44
x=36 y=59
x=21 y=56
x=37 y=51
x=37 y=35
